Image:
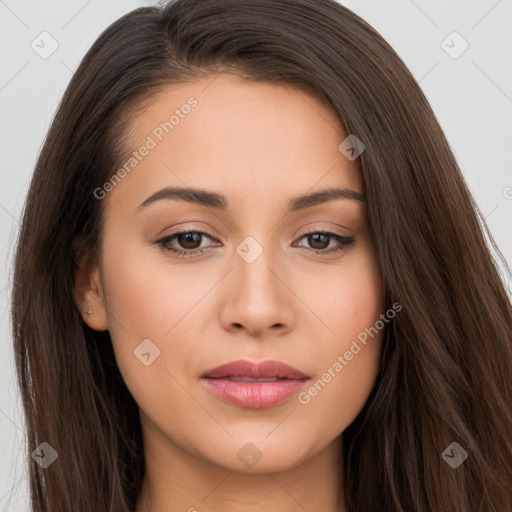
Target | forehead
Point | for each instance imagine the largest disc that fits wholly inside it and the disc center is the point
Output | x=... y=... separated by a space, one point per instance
x=252 y=140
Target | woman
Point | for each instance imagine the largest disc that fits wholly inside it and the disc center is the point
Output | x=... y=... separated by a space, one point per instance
x=250 y=276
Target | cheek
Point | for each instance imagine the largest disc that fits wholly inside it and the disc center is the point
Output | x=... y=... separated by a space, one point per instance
x=341 y=388
x=148 y=298
x=350 y=304
x=348 y=296
x=143 y=300
x=344 y=373
x=149 y=307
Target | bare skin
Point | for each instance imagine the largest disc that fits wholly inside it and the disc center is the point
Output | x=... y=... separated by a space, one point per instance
x=260 y=145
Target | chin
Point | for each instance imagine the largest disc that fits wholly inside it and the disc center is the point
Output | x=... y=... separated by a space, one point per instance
x=265 y=456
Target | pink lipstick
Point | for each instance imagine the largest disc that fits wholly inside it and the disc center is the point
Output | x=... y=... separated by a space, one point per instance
x=254 y=385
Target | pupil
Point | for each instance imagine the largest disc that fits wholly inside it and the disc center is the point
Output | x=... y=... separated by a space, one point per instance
x=315 y=239
x=188 y=240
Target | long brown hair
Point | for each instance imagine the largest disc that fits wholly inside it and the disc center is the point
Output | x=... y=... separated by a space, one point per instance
x=445 y=369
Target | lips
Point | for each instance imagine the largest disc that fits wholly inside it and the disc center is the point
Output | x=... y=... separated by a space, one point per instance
x=263 y=370
x=254 y=385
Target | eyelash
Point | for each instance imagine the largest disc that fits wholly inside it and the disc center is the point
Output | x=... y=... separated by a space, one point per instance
x=345 y=242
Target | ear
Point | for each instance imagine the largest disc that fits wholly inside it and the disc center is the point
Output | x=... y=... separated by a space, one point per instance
x=90 y=296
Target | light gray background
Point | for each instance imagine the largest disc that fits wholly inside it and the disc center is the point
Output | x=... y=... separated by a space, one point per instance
x=471 y=96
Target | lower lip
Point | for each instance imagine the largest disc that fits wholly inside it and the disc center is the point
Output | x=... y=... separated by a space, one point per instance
x=254 y=395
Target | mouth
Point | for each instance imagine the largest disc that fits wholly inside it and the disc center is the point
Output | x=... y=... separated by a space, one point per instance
x=254 y=385
x=250 y=379
x=261 y=370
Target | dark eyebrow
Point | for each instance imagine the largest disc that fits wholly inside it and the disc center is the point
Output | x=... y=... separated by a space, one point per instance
x=220 y=202
x=190 y=195
x=322 y=196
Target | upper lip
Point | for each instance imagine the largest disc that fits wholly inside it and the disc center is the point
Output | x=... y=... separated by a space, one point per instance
x=244 y=368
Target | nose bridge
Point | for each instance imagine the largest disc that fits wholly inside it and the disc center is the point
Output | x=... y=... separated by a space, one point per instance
x=253 y=262
x=257 y=300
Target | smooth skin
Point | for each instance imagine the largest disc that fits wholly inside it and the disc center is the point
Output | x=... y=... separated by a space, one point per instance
x=260 y=145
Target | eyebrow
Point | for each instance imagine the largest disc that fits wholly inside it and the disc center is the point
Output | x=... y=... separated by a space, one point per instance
x=220 y=202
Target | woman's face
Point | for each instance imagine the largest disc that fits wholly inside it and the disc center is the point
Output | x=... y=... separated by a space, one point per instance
x=265 y=286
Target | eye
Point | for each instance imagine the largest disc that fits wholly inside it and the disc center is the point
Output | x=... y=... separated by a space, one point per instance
x=320 y=240
x=189 y=242
x=187 y=239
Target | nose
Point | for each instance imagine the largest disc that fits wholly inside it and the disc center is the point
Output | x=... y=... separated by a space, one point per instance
x=257 y=298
